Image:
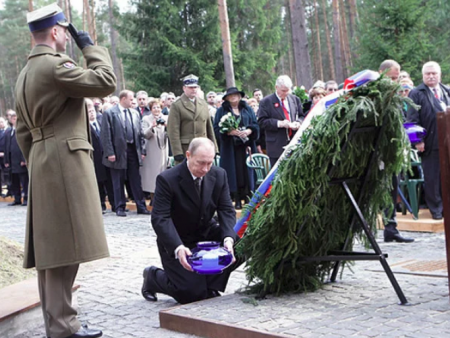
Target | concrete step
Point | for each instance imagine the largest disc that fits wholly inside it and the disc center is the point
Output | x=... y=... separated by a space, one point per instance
x=20 y=307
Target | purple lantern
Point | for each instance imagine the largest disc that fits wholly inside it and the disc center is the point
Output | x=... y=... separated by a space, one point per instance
x=415 y=133
x=209 y=258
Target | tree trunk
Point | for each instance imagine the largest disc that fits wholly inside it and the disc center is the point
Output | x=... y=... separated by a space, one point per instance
x=300 y=43
x=346 y=40
x=329 y=48
x=68 y=14
x=113 y=35
x=93 y=22
x=226 y=43
x=292 y=72
x=319 y=47
x=315 y=71
x=353 y=17
x=30 y=9
x=337 y=42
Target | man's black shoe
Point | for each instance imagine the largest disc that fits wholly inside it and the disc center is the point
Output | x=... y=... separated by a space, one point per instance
x=146 y=292
x=84 y=332
x=14 y=203
x=238 y=205
x=437 y=216
x=143 y=212
x=25 y=203
x=398 y=238
x=121 y=213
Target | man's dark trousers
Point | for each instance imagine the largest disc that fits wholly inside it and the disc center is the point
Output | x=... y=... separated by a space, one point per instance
x=134 y=177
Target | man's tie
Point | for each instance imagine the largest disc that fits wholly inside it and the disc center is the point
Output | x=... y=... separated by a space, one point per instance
x=96 y=127
x=198 y=185
x=286 y=116
x=142 y=110
x=128 y=127
x=436 y=94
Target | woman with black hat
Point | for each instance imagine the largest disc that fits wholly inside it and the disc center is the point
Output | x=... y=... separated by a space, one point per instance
x=235 y=143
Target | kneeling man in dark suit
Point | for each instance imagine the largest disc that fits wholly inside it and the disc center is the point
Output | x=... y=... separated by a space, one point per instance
x=186 y=199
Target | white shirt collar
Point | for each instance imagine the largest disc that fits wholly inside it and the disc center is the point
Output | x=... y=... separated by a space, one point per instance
x=193 y=177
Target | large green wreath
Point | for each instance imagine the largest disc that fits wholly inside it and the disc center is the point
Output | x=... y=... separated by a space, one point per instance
x=301 y=196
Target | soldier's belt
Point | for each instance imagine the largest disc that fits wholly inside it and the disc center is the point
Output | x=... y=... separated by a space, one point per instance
x=42 y=133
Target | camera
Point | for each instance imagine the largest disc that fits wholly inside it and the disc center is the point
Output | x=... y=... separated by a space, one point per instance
x=160 y=121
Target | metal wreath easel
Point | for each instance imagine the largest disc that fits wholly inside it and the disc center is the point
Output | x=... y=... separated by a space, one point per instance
x=357 y=218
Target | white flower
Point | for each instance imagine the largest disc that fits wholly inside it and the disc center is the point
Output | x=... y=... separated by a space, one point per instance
x=220 y=124
x=229 y=114
x=302 y=87
x=223 y=118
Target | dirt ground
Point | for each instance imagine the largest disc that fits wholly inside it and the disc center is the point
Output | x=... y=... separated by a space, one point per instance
x=11 y=259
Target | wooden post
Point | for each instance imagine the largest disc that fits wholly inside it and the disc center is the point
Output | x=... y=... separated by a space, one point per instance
x=226 y=43
x=443 y=126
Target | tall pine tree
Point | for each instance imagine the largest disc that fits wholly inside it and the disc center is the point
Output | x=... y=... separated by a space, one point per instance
x=394 y=29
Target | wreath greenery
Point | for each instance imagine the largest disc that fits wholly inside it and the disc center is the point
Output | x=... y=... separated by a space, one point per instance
x=304 y=215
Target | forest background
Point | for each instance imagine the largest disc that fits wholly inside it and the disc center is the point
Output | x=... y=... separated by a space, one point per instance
x=156 y=42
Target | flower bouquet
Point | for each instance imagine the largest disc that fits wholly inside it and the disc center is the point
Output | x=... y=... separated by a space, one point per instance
x=229 y=123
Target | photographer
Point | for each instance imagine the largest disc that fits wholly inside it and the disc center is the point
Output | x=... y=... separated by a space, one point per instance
x=156 y=146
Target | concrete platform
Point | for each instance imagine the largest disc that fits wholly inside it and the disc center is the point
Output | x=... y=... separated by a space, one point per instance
x=20 y=307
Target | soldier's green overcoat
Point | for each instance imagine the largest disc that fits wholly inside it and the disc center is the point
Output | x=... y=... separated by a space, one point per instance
x=187 y=121
x=64 y=219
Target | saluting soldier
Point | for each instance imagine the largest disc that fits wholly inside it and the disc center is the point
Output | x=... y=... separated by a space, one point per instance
x=189 y=118
x=64 y=221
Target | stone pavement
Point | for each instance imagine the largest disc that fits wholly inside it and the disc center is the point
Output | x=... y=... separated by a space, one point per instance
x=362 y=304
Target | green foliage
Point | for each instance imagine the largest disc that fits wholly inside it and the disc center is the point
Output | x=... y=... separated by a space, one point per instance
x=396 y=29
x=172 y=39
x=304 y=216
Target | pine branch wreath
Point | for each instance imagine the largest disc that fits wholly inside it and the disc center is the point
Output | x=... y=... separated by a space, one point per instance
x=304 y=216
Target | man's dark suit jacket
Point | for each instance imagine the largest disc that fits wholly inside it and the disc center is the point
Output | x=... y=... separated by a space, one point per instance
x=13 y=154
x=113 y=139
x=426 y=115
x=100 y=171
x=180 y=217
x=269 y=113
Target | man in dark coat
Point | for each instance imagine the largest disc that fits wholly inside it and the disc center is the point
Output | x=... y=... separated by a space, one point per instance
x=432 y=97
x=280 y=115
x=2 y=153
x=64 y=219
x=182 y=216
x=101 y=172
x=123 y=152
x=16 y=163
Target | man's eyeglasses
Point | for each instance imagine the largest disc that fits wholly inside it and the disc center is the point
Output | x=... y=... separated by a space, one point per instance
x=332 y=89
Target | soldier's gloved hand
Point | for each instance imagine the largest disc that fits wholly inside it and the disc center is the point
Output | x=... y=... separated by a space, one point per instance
x=82 y=38
x=179 y=158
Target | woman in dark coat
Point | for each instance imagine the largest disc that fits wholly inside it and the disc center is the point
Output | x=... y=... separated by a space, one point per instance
x=233 y=151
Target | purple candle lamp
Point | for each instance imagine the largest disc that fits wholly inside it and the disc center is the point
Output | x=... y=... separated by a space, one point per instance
x=415 y=133
x=209 y=258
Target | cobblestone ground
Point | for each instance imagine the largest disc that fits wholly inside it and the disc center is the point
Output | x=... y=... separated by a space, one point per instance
x=362 y=304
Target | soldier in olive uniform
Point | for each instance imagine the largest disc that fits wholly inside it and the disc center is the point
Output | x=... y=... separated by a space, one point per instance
x=64 y=220
x=188 y=119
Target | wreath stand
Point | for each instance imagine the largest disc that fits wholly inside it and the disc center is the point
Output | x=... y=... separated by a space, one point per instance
x=357 y=218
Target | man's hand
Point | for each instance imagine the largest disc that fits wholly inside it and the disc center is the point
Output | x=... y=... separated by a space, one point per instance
x=183 y=254
x=6 y=165
x=228 y=245
x=23 y=164
x=2 y=154
x=420 y=147
x=294 y=125
x=143 y=157
x=81 y=38
x=284 y=124
x=112 y=158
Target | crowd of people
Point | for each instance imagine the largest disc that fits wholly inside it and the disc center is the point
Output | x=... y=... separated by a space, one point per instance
x=136 y=137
